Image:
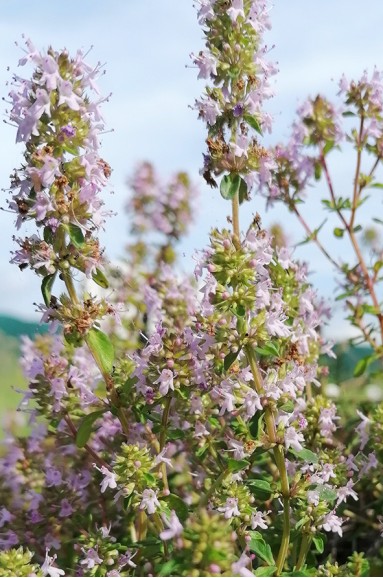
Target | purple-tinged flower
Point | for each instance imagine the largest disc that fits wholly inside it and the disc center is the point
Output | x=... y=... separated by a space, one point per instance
x=149 y=501
x=206 y=63
x=258 y=520
x=293 y=439
x=230 y=509
x=236 y=10
x=66 y=508
x=5 y=516
x=48 y=569
x=109 y=480
x=241 y=567
x=91 y=559
x=166 y=381
x=344 y=492
x=174 y=526
x=332 y=523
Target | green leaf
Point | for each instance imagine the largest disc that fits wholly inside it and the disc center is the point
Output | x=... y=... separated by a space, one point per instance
x=243 y=192
x=230 y=185
x=230 y=358
x=167 y=568
x=101 y=348
x=260 y=488
x=328 y=147
x=317 y=171
x=178 y=505
x=99 y=278
x=46 y=288
x=255 y=425
x=237 y=465
x=260 y=548
x=327 y=494
x=305 y=455
x=361 y=366
x=319 y=543
x=85 y=429
x=265 y=571
x=288 y=407
x=268 y=349
x=76 y=235
x=338 y=232
x=253 y=122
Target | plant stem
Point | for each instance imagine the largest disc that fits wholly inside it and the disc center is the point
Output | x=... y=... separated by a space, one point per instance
x=279 y=461
x=205 y=497
x=87 y=447
x=305 y=545
x=164 y=425
x=107 y=378
x=235 y=215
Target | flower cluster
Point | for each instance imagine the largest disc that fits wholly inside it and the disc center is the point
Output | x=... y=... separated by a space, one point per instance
x=60 y=183
x=234 y=61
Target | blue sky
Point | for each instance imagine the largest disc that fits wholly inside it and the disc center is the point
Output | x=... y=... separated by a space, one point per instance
x=146 y=46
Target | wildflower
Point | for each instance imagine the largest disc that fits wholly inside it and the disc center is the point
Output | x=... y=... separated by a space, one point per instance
x=241 y=567
x=293 y=439
x=91 y=559
x=149 y=501
x=332 y=523
x=48 y=570
x=230 y=508
x=258 y=520
x=174 y=526
x=109 y=480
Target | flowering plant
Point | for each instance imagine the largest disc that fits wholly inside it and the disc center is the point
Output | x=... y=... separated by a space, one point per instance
x=179 y=427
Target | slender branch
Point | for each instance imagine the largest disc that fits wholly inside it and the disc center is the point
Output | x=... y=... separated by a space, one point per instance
x=314 y=237
x=87 y=447
x=235 y=215
x=350 y=231
x=357 y=188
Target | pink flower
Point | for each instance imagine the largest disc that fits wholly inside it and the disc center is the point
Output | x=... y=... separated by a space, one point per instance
x=240 y=568
x=48 y=570
x=230 y=509
x=332 y=523
x=236 y=10
x=149 y=501
x=166 y=381
x=258 y=520
x=175 y=527
x=293 y=439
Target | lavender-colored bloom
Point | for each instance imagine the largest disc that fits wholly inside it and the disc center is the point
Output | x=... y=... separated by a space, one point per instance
x=109 y=480
x=48 y=569
x=230 y=509
x=258 y=520
x=149 y=501
x=236 y=10
x=293 y=439
x=91 y=559
x=241 y=567
x=166 y=381
x=332 y=523
x=174 y=527
x=206 y=63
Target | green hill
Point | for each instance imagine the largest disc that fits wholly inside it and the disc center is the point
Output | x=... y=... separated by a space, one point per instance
x=15 y=327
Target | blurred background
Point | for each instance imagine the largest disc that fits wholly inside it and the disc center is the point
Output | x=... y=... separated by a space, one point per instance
x=146 y=46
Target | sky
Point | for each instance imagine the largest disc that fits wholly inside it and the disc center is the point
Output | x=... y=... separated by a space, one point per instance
x=146 y=46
